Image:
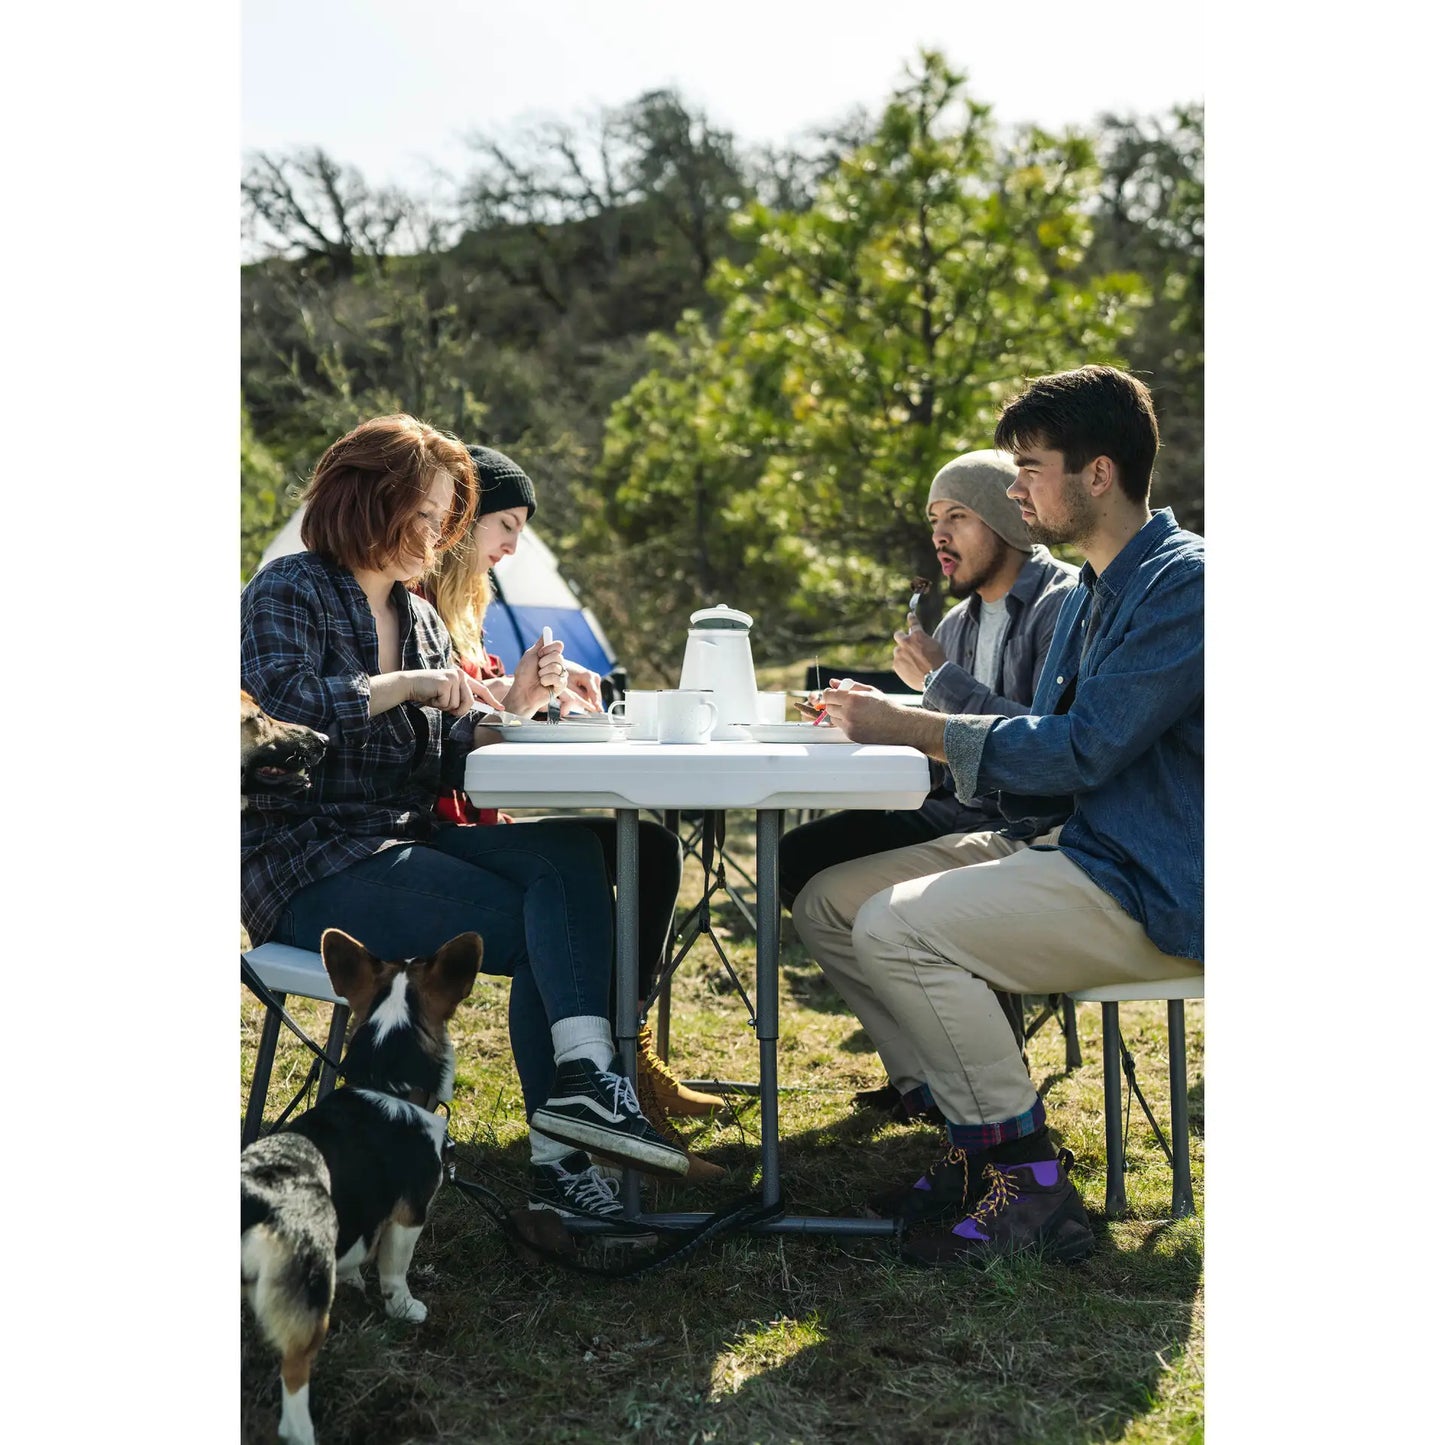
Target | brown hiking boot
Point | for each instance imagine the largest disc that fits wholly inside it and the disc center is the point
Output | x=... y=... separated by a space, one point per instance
x=1027 y=1207
x=650 y=1097
x=673 y=1097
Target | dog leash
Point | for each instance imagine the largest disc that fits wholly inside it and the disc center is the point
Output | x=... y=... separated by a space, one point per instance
x=742 y=1214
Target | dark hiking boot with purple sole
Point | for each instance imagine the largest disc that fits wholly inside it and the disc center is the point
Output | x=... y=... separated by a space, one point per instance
x=1027 y=1207
x=945 y=1188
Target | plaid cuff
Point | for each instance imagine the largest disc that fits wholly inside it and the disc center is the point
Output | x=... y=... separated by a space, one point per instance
x=976 y=1137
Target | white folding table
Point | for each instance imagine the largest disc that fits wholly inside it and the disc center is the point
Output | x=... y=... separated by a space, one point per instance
x=764 y=777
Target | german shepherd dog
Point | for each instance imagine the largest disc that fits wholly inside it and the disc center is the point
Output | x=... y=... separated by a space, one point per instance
x=276 y=757
x=352 y=1179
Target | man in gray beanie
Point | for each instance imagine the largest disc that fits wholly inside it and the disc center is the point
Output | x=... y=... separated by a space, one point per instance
x=984 y=657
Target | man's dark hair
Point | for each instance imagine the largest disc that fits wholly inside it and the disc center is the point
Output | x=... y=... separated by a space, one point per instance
x=1096 y=411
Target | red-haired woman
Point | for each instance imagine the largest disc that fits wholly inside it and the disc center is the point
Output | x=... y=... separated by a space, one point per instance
x=332 y=638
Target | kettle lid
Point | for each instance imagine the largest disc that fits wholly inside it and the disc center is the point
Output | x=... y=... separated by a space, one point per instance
x=721 y=616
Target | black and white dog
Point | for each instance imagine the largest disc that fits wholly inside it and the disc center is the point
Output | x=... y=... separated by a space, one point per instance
x=352 y=1179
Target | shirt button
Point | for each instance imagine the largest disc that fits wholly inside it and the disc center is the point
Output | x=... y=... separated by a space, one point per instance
x=1059 y=681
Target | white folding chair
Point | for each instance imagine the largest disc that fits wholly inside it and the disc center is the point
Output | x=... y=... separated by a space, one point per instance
x=298 y=971
x=1173 y=991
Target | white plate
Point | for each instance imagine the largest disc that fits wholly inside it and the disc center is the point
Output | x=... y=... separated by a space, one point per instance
x=562 y=732
x=795 y=732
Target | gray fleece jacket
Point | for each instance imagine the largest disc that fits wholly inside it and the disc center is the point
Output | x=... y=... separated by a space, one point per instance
x=1032 y=604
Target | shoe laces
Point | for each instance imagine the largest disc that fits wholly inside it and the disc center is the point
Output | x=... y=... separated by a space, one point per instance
x=622 y=1092
x=589 y=1189
x=648 y=1055
x=1002 y=1190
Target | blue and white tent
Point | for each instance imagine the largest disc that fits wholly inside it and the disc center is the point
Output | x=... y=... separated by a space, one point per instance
x=530 y=594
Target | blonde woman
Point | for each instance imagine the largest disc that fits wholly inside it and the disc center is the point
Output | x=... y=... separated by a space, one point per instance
x=460 y=588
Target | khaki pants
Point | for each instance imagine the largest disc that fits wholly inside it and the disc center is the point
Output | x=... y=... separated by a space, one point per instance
x=913 y=938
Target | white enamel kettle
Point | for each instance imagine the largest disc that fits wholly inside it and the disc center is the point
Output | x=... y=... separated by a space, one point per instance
x=719 y=657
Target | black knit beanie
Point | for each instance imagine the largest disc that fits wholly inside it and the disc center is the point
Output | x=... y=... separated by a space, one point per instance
x=501 y=483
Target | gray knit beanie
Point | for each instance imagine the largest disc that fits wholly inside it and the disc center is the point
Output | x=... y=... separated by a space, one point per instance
x=980 y=480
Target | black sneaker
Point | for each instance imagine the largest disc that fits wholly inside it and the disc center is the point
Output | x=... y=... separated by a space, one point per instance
x=1026 y=1207
x=945 y=1188
x=597 y=1110
x=885 y=1099
x=574 y=1185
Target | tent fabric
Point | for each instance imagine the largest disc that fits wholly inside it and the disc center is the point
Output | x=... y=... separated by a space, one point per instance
x=531 y=593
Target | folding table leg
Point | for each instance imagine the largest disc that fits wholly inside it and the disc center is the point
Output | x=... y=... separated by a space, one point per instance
x=770 y=830
x=1183 y=1205
x=625 y=1026
x=1114 y=1201
x=261 y=1075
x=662 y=1028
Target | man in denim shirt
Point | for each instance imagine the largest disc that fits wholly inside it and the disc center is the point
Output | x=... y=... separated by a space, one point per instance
x=1113 y=895
x=987 y=656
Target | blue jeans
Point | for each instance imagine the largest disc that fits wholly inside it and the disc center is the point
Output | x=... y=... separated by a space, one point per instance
x=538 y=895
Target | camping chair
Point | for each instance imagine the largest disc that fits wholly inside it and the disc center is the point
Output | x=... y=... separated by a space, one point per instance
x=286 y=970
x=1174 y=991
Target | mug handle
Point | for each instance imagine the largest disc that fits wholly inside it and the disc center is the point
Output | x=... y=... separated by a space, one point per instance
x=612 y=707
x=712 y=723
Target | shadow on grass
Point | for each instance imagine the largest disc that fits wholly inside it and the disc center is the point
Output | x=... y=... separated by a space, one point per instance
x=1017 y=1350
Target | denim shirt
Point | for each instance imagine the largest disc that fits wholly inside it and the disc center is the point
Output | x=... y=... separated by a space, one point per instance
x=1118 y=725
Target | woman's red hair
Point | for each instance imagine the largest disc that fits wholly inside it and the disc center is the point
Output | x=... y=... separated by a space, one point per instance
x=363 y=499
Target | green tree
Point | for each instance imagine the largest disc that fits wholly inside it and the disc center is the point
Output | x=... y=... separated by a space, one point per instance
x=264 y=500
x=868 y=339
x=1150 y=216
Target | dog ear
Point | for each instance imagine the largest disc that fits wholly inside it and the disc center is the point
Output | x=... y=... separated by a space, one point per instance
x=350 y=967
x=449 y=975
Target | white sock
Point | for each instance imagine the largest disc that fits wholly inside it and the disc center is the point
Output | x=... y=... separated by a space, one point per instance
x=583 y=1036
x=547 y=1151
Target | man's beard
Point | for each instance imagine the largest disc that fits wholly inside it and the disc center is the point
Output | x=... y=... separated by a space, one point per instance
x=962 y=584
x=1077 y=525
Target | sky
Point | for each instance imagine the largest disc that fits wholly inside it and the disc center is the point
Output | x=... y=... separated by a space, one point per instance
x=426 y=73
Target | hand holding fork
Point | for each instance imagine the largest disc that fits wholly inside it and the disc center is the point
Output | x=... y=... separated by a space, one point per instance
x=554 y=705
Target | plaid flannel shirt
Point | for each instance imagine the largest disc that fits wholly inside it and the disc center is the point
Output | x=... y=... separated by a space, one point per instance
x=308 y=653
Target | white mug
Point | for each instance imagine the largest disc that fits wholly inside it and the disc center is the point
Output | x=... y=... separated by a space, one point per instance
x=772 y=707
x=640 y=709
x=685 y=715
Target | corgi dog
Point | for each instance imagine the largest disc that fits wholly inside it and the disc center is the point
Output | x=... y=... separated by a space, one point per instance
x=352 y=1179
x=276 y=757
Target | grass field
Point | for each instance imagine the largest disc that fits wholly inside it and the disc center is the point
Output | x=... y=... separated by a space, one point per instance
x=761 y=1338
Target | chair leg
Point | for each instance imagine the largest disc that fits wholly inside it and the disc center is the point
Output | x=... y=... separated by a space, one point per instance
x=1114 y=1200
x=1073 y=1059
x=1183 y=1205
x=335 y=1042
x=261 y=1076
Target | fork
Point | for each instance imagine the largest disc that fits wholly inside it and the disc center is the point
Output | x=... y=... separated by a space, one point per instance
x=921 y=585
x=554 y=707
